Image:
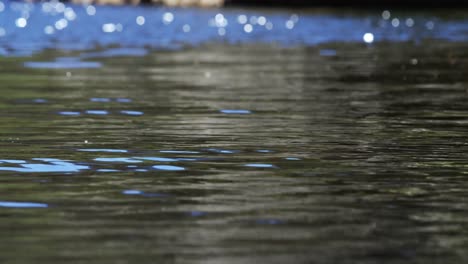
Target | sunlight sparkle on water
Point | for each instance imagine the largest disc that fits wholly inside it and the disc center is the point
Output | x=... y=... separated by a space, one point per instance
x=242 y=19
x=21 y=22
x=259 y=165
x=409 y=22
x=168 y=168
x=140 y=20
x=108 y=28
x=132 y=113
x=236 y=111
x=386 y=14
x=368 y=38
x=22 y=204
x=97 y=112
x=124 y=160
x=248 y=28
x=69 y=113
x=91 y=10
x=167 y=18
x=49 y=30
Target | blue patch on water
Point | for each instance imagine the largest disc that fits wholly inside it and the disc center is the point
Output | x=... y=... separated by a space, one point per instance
x=133 y=192
x=69 y=113
x=123 y=100
x=142 y=193
x=235 y=111
x=269 y=222
x=327 y=52
x=62 y=64
x=107 y=170
x=141 y=170
x=22 y=204
x=133 y=113
x=12 y=161
x=292 y=158
x=168 y=168
x=156 y=159
x=55 y=165
x=97 y=112
x=105 y=150
x=40 y=101
x=196 y=213
x=124 y=160
x=100 y=100
x=263 y=151
x=259 y=165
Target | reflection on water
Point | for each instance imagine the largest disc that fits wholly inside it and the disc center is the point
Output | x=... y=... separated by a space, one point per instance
x=233 y=153
x=22 y=205
x=55 y=165
x=63 y=65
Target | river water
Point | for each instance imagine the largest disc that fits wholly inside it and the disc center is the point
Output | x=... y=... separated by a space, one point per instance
x=308 y=144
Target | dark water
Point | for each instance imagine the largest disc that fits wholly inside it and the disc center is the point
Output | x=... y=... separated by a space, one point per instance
x=334 y=152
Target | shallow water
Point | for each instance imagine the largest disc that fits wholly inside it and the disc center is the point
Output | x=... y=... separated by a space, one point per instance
x=330 y=152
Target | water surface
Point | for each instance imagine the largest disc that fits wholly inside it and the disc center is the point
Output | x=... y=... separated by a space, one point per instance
x=332 y=152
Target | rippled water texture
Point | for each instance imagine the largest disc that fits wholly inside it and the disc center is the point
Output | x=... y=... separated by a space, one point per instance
x=321 y=147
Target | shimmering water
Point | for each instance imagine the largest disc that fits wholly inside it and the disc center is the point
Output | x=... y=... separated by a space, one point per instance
x=332 y=150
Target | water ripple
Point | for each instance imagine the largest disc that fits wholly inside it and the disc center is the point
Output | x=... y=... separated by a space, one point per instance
x=22 y=204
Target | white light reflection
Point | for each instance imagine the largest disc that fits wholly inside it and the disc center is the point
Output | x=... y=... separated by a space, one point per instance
x=140 y=20
x=220 y=20
x=61 y=24
x=368 y=38
x=289 y=24
x=248 y=28
x=409 y=22
x=90 y=10
x=395 y=22
x=2 y=6
x=242 y=19
x=430 y=25
x=386 y=15
x=221 y=31
x=21 y=22
x=59 y=7
x=261 y=21
x=294 y=18
x=69 y=14
x=108 y=28
x=186 y=28
x=2 y=32
x=269 y=26
x=167 y=18
x=49 y=30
